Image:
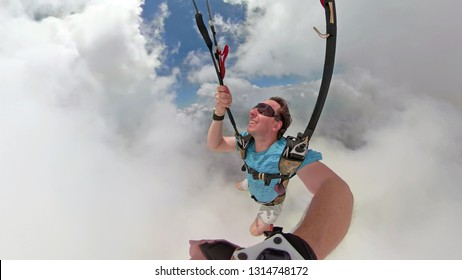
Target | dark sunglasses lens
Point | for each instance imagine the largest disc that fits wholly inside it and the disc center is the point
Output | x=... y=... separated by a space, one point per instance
x=265 y=110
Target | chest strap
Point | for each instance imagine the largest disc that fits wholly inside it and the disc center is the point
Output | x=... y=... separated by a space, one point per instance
x=265 y=177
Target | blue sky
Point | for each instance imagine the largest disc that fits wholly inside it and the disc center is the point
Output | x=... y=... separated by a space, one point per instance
x=180 y=29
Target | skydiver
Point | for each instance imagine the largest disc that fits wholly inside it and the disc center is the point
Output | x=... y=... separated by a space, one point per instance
x=328 y=216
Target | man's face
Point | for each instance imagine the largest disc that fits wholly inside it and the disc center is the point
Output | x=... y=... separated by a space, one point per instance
x=261 y=117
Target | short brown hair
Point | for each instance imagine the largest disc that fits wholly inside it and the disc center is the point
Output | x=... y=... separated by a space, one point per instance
x=283 y=115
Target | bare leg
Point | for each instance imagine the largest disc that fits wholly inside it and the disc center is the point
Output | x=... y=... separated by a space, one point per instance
x=242 y=185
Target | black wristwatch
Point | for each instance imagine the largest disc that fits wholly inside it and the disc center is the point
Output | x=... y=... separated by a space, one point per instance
x=215 y=117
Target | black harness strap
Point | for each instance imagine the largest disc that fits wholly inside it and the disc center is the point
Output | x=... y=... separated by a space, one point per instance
x=266 y=177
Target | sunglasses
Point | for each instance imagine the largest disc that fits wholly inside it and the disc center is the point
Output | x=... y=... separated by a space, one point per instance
x=265 y=109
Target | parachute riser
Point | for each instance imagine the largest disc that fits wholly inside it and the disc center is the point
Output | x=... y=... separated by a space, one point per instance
x=297 y=147
x=215 y=55
x=331 y=37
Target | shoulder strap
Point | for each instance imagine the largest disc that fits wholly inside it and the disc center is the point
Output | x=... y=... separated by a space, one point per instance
x=243 y=143
x=293 y=154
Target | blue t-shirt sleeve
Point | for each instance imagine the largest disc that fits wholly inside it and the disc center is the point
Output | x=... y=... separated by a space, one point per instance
x=311 y=156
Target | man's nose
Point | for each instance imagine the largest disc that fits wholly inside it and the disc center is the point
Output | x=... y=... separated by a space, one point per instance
x=253 y=112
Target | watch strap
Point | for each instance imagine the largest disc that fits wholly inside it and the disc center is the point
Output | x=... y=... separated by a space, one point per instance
x=215 y=117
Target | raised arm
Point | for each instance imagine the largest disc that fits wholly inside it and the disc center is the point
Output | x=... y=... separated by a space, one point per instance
x=328 y=217
x=215 y=139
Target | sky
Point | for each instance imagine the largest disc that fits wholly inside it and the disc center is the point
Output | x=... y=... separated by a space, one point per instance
x=105 y=106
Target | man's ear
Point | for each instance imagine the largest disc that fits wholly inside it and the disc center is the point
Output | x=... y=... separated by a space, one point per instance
x=277 y=126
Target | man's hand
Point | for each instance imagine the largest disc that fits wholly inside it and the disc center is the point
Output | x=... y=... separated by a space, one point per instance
x=223 y=100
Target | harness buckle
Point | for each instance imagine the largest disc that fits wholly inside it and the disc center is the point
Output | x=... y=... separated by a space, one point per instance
x=293 y=155
x=243 y=143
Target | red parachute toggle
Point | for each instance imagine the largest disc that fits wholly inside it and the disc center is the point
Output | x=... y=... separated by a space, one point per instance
x=223 y=55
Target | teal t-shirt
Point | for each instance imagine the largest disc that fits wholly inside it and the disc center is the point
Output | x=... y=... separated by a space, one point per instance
x=268 y=162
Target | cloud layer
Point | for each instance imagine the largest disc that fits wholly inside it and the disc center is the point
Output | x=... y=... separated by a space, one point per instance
x=90 y=142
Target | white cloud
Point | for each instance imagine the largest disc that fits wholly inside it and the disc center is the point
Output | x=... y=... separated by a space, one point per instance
x=154 y=31
x=405 y=181
x=280 y=39
x=416 y=49
x=200 y=71
x=90 y=143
